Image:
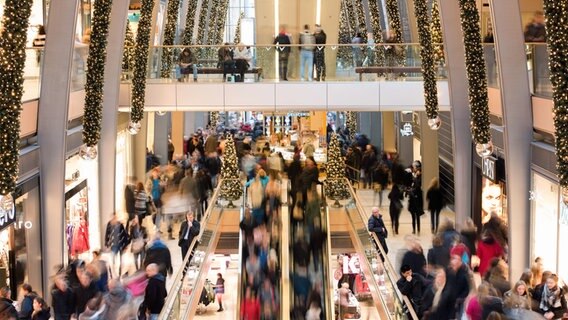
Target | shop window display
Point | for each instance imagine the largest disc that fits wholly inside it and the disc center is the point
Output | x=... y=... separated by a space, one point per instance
x=493 y=200
x=77 y=224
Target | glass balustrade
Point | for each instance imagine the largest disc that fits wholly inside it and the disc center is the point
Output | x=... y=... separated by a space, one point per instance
x=32 y=74
x=342 y=63
x=491 y=65
x=539 y=73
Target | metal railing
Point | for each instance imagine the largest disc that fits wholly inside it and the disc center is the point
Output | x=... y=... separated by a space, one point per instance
x=345 y=58
x=173 y=303
x=397 y=305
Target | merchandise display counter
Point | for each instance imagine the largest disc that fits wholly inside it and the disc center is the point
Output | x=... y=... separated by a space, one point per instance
x=288 y=153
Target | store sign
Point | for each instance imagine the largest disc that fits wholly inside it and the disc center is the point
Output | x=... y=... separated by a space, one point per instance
x=406 y=130
x=7 y=217
x=351 y=265
x=489 y=168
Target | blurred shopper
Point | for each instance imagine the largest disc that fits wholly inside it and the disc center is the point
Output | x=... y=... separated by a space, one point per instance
x=518 y=297
x=307 y=40
x=41 y=309
x=116 y=240
x=7 y=308
x=219 y=291
x=319 y=53
x=159 y=254
x=130 y=199
x=94 y=309
x=414 y=257
x=155 y=294
x=141 y=202
x=26 y=306
x=188 y=231
x=243 y=60
x=367 y=163
x=155 y=187
x=469 y=236
x=438 y=302
x=115 y=298
x=102 y=271
x=377 y=226
x=416 y=199
x=487 y=250
x=138 y=239
x=62 y=298
x=250 y=307
x=344 y=294
x=535 y=30
x=413 y=286
x=357 y=49
x=85 y=292
x=213 y=166
x=395 y=207
x=458 y=276
x=283 y=52
x=435 y=203
x=438 y=255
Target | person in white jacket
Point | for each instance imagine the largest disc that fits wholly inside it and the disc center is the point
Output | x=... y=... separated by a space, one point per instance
x=243 y=58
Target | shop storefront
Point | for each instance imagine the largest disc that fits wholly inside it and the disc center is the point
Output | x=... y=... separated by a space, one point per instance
x=20 y=240
x=82 y=223
x=549 y=224
x=490 y=190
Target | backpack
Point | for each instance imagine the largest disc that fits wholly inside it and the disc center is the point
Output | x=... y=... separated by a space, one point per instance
x=308 y=41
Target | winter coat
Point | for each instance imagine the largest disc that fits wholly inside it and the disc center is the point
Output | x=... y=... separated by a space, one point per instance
x=435 y=199
x=469 y=238
x=444 y=309
x=43 y=314
x=116 y=237
x=129 y=199
x=416 y=198
x=211 y=144
x=282 y=38
x=155 y=294
x=113 y=300
x=63 y=302
x=159 y=254
x=487 y=249
x=413 y=289
x=7 y=309
x=377 y=225
x=439 y=256
x=26 y=308
x=83 y=295
x=416 y=261
x=460 y=282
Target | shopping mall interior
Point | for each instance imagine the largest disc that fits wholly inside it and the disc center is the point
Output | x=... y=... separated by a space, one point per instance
x=283 y=159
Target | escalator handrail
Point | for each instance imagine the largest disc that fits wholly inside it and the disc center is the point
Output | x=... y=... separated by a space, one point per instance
x=178 y=280
x=326 y=254
x=241 y=240
x=388 y=266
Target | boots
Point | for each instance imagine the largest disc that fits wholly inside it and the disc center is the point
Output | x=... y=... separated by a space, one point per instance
x=220 y=306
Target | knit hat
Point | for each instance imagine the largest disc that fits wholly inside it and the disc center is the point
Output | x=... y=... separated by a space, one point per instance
x=461 y=251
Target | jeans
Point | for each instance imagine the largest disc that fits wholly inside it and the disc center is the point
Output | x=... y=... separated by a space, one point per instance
x=307 y=56
x=185 y=71
x=283 y=64
x=154 y=316
x=160 y=216
x=435 y=219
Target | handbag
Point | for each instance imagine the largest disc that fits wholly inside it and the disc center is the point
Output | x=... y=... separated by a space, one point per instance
x=398 y=205
x=137 y=245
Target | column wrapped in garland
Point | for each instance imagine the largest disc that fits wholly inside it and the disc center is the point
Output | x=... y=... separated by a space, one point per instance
x=393 y=13
x=189 y=23
x=231 y=189
x=361 y=20
x=213 y=119
x=13 y=38
x=437 y=36
x=95 y=79
x=141 y=57
x=335 y=184
x=351 y=124
x=428 y=67
x=237 y=38
x=347 y=27
x=556 y=35
x=476 y=77
x=128 y=53
x=220 y=22
x=377 y=33
x=214 y=13
x=172 y=14
x=202 y=21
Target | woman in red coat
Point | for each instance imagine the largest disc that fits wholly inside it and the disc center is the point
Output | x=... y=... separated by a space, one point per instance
x=250 y=308
x=487 y=249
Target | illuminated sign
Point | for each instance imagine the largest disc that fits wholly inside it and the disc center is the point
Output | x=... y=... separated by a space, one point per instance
x=406 y=130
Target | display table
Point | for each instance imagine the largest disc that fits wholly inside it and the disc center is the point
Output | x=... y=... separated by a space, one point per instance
x=288 y=153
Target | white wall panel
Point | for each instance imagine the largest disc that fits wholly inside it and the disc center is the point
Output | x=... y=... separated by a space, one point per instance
x=124 y=94
x=443 y=94
x=306 y=94
x=249 y=94
x=200 y=94
x=76 y=104
x=160 y=95
x=354 y=95
x=28 y=118
x=403 y=93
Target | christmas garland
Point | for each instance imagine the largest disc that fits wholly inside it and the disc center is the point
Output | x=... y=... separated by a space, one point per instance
x=141 y=58
x=202 y=22
x=169 y=35
x=335 y=186
x=476 y=75
x=128 y=53
x=351 y=124
x=213 y=119
x=237 y=38
x=214 y=13
x=361 y=24
x=396 y=27
x=95 y=73
x=437 y=36
x=377 y=33
x=347 y=27
x=427 y=57
x=220 y=22
x=13 y=39
x=189 y=23
x=231 y=189
x=556 y=32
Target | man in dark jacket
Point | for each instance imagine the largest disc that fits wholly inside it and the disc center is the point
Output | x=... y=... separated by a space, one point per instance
x=159 y=254
x=283 y=52
x=189 y=229
x=85 y=292
x=458 y=276
x=26 y=308
x=377 y=226
x=412 y=285
x=7 y=309
x=116 y=240
x=155 y=293
x=194 y=144
x=62 y=299
x=319 y=53
x=294 y=171
x=309 y=176
x=213 y=166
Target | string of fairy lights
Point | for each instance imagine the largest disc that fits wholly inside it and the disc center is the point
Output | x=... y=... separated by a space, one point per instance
x=128 y=53
x=13 y=37
x=141 y=57
x=237 y=38
x=476 y=76
x=377 y=33
x=189 y=23
x=335 y=170
x=393 y=14
x=437 y=36
x=428 y=67
x=556 y=35
x=231 y=189
x=220 y=21
x=172 y=14
x=96 y=63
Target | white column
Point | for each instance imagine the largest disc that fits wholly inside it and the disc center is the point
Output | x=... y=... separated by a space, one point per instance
x=462 y=143
x=107 y=144
x=52 y=130
x=517 y=118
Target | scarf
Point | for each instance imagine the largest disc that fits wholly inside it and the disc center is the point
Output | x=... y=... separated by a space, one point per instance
x=550 y=298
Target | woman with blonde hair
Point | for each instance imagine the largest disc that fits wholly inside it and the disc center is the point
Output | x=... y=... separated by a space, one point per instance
x=435 y=203
x=518 y=297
